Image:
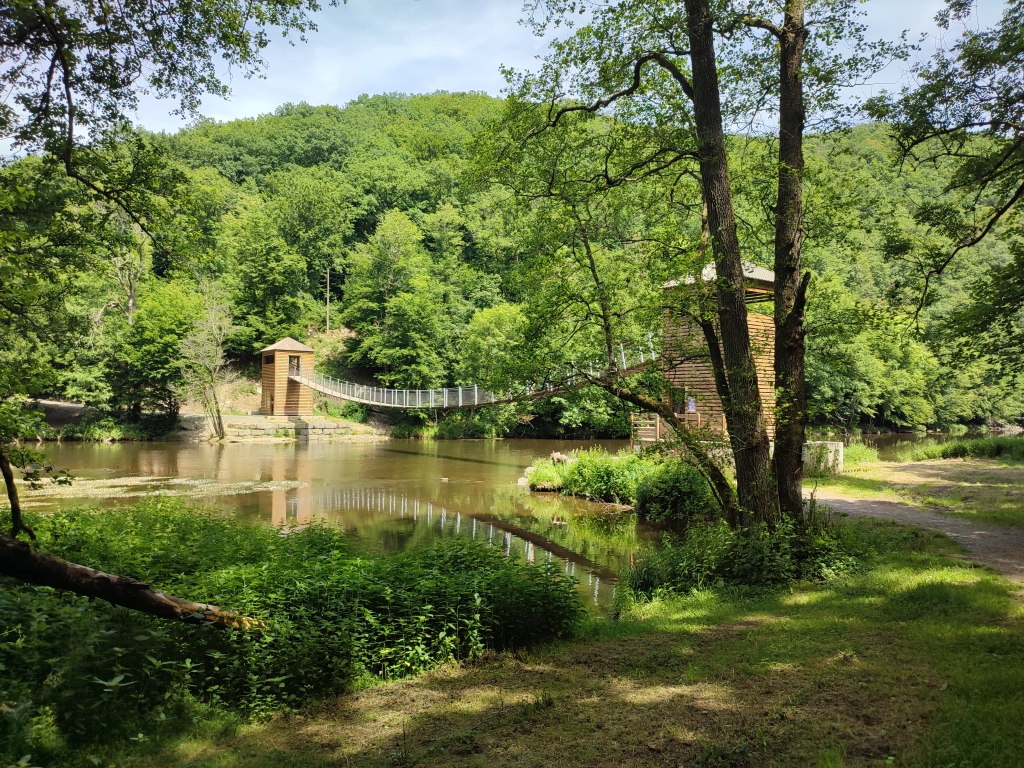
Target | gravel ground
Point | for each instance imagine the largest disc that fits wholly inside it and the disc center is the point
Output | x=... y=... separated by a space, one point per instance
x=996 y=546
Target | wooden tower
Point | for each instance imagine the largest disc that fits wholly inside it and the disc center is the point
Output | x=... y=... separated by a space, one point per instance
x=281 y=395
x=683 y=342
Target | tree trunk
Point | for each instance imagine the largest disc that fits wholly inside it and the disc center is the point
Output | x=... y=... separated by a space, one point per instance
x=20 y=561
x=790 y=288
x=758 y=496
x=17 y=525
x=213 y=409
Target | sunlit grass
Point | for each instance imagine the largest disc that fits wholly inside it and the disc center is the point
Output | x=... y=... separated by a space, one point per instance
x=918 y=660
x=979 y=489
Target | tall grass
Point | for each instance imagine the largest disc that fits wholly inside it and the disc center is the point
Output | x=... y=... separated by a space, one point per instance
x=595 y=474
x=711 y=554
x=857 y=453
x=1009 y=449
x=76 y=672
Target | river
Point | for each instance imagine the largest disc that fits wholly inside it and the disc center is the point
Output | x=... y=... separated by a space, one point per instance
x=389 y=495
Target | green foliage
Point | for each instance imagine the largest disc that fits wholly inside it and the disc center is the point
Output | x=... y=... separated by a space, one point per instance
x=344 y=410
x=601 y=475
x=491 y=350
x=408 y=304
x=94 y=426
x=1008 y=449
x=93 y=673
x=675 y=491
x=270 y=279
x=145 y=366
x=713 y=555
x=449 y=283
x=595 y=473
x=546 y=475
x=875 y=352
x=858 y=452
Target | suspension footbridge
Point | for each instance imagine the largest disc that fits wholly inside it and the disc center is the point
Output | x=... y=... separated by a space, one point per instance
x=472 y=396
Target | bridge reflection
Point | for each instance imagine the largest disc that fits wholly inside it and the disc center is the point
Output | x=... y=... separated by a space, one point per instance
x=298 y=507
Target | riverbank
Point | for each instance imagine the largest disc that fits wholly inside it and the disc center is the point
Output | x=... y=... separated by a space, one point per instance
x=321 y=617
x=914 y=661
x=71 y=422
x=281 y=429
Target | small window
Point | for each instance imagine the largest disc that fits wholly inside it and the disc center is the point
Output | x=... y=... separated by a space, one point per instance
x=691 y=405
x=294 y=363
x=268 y=359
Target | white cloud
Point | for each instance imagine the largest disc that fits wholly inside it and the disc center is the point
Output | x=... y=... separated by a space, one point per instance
x=419 y=46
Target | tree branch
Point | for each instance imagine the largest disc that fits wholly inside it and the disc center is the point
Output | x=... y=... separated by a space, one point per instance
x=20 y=561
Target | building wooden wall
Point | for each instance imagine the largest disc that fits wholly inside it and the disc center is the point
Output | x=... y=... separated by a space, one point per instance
x=684 y=342
x=281 y=396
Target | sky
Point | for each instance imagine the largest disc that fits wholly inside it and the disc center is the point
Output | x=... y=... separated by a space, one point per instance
x=421 y=46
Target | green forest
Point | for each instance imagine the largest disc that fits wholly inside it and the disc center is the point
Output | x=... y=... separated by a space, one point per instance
x=438 y=268
x=685 y=224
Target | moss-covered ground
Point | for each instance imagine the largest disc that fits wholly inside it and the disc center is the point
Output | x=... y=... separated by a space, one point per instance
x=917 y=660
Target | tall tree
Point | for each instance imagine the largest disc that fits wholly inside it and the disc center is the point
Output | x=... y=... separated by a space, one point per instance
x=706 y=68
x=72 y=71
x=966 y=111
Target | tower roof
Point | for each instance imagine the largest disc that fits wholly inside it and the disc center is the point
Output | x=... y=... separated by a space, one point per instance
x=759 y=282
x=287 y=344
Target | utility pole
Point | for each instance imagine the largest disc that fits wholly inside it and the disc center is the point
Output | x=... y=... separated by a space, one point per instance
x=328 y=298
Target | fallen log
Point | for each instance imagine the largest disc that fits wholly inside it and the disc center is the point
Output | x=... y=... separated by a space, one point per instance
x=20 y=561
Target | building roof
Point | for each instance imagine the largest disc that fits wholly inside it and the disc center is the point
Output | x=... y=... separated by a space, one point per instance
x=287 y=344
x=753 y=273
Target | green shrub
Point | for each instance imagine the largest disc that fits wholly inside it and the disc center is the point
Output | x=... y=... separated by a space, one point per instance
x=711 y=554
x=601 y=475
x=346 y=409
x=90 y=672
x=1009 y=449
x=94 y=426
x=858 y=453
x=674 y=491
x=545 y=475
x=407 y=430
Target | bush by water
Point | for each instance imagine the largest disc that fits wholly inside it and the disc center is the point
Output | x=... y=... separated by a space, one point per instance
x=1009 y=449
x=674 y=491
x=711 y=554
x=75 y=672
x=662 y=487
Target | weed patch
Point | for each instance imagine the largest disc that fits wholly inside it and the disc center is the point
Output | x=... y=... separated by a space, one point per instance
x=1006 y=449
x=77 y=673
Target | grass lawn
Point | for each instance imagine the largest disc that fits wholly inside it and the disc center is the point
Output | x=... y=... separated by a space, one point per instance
x=916 y=661
x=979 y=489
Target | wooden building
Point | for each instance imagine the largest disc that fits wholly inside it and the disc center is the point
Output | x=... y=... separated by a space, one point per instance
x=685 y=351
x=281 y=395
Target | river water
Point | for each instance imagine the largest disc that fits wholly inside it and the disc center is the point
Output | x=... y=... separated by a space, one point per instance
x=390 y=495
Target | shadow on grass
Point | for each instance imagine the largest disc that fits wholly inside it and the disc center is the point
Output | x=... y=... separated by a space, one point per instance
x=920 y=659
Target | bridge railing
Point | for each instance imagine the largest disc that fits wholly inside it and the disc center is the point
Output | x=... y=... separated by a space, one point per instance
x=448 y=397
x=466 y=397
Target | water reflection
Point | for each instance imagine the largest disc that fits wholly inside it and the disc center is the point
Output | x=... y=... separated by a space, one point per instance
x=391 y=496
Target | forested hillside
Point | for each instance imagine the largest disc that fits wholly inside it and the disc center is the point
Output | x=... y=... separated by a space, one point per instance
x=445 y=271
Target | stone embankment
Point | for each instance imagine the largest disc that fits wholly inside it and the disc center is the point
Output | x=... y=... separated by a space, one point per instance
x=312 y=430
x=279 y=429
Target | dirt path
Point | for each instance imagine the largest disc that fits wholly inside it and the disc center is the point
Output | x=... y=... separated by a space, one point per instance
x=997 y=546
